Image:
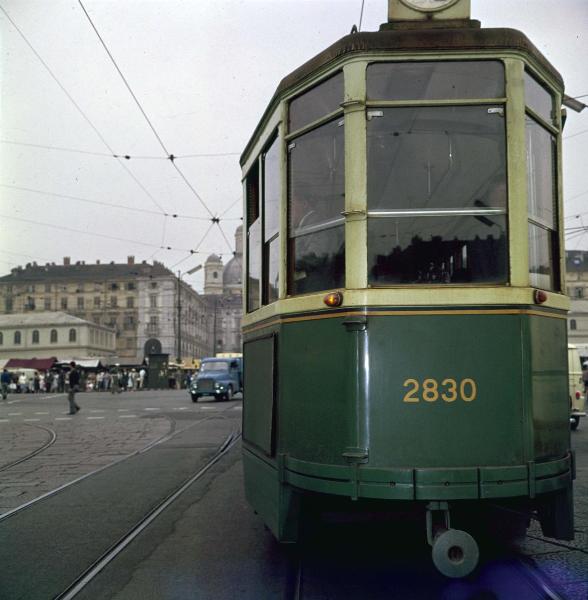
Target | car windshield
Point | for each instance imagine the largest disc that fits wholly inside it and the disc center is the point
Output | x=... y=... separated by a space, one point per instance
x=214 y=365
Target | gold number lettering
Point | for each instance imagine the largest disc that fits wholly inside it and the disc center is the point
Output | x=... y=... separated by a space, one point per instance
x=450 y=394
x=430 y=390
x=410 y=395
x=473 y=390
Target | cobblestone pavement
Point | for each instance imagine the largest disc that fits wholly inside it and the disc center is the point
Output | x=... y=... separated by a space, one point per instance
x=567 y=562
x=108 y=428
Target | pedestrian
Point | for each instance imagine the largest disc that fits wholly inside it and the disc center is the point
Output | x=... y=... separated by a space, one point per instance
x=74 y=386
x=5 y=381
x=54 y=383
x=22 y=384
x=36 y=383
x=142 y=374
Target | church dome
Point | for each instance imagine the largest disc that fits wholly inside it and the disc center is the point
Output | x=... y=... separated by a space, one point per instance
x=213 y=258
x=233 y=272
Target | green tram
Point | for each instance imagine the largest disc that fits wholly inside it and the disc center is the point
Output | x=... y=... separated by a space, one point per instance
x=404 y=334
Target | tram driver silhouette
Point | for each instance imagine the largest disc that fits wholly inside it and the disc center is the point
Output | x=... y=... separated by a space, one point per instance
x=318 y=262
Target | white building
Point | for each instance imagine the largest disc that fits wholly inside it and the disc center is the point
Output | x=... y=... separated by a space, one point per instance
x=53 y=334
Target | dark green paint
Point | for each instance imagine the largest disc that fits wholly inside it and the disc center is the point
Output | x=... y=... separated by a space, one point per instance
x=341 y=391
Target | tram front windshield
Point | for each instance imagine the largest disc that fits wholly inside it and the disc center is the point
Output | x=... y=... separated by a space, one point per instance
x=437 y=178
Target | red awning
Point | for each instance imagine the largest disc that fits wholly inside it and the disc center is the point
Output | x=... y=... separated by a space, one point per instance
x=39 y=364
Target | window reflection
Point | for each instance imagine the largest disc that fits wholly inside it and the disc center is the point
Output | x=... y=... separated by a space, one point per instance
x=438 y=250
x=271 y=213
x=540 y=173
x=542 y=197
x=437 y=196
x=271 y=190
x=253 y=239
x=541 y=257
x=272 y=275
x=254 y=265
x=435 y=80
x=538 y=99
x=317 y=102
x=319 y=261
x=316 y=202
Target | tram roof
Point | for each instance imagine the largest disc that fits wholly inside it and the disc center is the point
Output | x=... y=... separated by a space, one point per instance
x=417 y=40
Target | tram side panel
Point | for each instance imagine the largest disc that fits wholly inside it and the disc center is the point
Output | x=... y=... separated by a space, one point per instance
x=546 y=363
x=450 y=407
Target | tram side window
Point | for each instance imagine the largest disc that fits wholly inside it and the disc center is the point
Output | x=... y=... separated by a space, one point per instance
x=315 y=103
x=437 y=198
x=253 y=238
x=542 y=195
x=316 y=200
x=538 y=99
x=271 y=225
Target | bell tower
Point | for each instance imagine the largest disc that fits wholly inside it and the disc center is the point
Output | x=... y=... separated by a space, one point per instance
x=213 y=275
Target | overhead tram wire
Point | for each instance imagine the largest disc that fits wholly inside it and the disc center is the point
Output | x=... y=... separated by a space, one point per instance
x=361 y=14
x=101 y=203
x=125 y=156
x=197 y=247
x=78 y=108
x=171 y=157
x=101 y=235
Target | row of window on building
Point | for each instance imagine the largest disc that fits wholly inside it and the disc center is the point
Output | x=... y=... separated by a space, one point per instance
x=36 y=337
x=47 y=303
x=79 y=287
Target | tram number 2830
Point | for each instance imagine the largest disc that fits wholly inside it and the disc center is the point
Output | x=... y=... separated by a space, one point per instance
x=448 y=390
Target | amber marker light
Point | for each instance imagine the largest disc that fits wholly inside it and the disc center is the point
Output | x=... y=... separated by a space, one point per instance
x=539 y=296
x=333 y=299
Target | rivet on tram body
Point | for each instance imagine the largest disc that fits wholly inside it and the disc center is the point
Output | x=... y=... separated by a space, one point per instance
x=333 y=299
x=539 y=296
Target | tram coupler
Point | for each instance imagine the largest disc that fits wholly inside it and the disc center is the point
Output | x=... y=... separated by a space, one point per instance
x=455 y=553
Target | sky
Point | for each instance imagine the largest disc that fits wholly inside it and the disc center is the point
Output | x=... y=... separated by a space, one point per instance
x=203 y=72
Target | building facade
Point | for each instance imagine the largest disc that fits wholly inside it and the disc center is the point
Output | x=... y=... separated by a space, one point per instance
x=577 y=288
x=46 y=334
x=141 y=302
x=223 y=290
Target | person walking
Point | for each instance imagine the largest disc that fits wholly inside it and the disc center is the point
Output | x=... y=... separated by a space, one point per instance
x=5 y=381
x=74 y=386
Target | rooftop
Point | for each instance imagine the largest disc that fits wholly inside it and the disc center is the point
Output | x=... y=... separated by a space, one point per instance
x=80 y=271
x=42 y=318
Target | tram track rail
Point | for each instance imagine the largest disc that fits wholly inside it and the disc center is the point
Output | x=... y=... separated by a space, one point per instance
x=52 y=439
x=83 y=580
x=174 y=430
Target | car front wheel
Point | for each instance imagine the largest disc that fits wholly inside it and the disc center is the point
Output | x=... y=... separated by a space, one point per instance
x=229 y=394
x=194 y=397
x=575 y=423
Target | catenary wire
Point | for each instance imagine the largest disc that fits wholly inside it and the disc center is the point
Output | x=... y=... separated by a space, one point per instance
x=101 y=203
x=124 y=79
x=168 y=154
x=569 y=137
x=197 y=246
x=102 y=235
x=125 y=156
x=77 y=106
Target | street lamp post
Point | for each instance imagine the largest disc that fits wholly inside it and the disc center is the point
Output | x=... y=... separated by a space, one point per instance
x=179 y=307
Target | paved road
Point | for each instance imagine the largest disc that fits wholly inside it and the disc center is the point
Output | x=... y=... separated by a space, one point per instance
x=208 y=543
x=108 y=428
